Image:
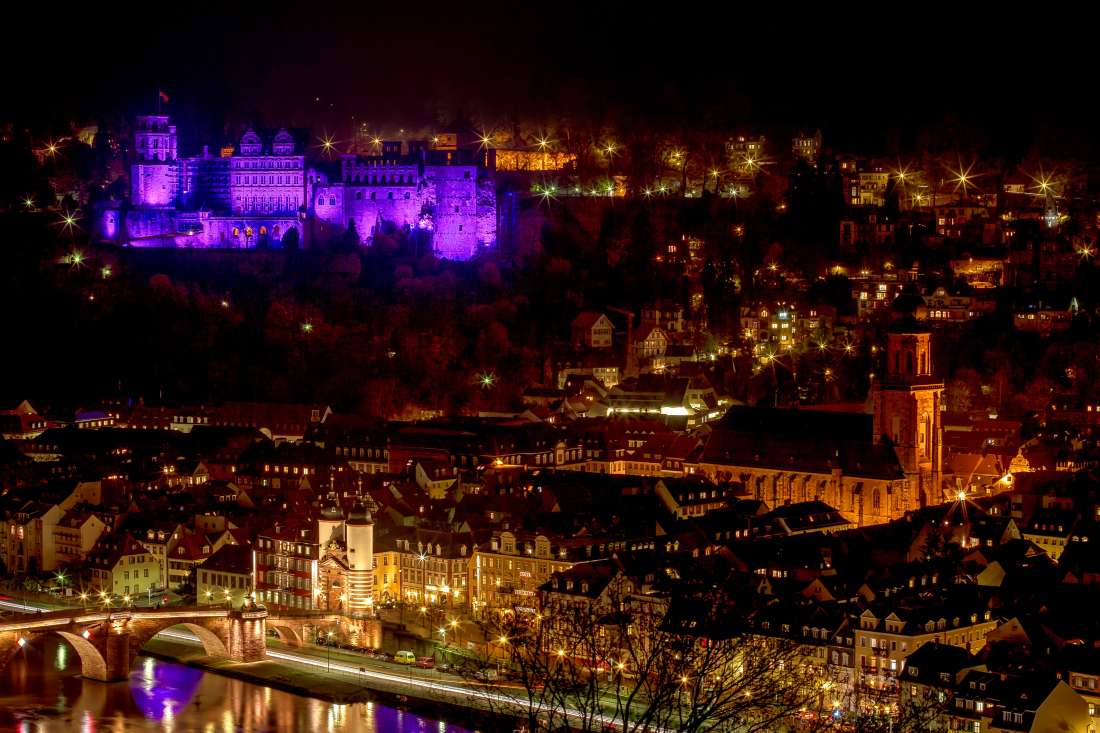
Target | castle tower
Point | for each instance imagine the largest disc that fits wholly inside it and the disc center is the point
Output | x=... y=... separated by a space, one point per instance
x=359 y=534
x=907 y=410
x=155 y=138
x=154 y=175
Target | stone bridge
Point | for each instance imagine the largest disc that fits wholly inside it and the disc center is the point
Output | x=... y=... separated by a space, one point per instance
x=107 y=641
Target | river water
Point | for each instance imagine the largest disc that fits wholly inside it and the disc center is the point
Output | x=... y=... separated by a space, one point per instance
x=41 y=691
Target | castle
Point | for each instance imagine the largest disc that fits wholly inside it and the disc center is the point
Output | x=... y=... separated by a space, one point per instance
x=255 y=193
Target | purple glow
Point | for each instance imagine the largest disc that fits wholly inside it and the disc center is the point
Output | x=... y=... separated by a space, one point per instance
x=161 y=689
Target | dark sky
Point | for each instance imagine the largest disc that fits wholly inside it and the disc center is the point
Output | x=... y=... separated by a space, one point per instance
x=867 y=78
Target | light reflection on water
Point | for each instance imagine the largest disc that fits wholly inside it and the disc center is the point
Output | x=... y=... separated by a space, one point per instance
x=41 y=692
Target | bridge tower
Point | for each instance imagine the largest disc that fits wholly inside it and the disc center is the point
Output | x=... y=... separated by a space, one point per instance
x=359 y=535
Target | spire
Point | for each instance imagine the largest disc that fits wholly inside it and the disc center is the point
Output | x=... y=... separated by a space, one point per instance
x=360 y=514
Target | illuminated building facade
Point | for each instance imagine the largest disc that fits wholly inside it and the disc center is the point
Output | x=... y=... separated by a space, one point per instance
x=258 y=193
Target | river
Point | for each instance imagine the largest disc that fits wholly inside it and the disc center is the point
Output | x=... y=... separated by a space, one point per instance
x=41 y=691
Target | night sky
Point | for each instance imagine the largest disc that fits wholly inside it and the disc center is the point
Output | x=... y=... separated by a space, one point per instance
x=870 y=80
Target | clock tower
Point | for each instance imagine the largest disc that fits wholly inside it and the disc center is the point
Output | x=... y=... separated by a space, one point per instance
x=907 y=410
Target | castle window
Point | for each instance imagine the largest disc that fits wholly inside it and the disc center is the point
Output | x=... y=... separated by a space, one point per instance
x=332 y=201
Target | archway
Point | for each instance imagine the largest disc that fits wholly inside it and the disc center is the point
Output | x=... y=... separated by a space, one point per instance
x=287 y=634
x=212 y=644
x=92 y=663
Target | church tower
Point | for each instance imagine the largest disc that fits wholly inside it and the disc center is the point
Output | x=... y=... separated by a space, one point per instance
x=907 y=410
x=359 y=535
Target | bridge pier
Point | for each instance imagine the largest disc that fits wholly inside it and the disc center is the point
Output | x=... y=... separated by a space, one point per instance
x=118 y=654
x=247 y=635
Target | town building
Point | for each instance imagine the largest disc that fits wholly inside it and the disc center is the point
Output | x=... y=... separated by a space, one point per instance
x=226 y=577
x=121 y=567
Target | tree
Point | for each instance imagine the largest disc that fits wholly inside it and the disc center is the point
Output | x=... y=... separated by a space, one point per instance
x=630 y=662
x=290 y=240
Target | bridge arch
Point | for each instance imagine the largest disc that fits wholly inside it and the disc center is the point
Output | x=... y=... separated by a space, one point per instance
x=287 y=633
x=212 y=642
x=93 y=665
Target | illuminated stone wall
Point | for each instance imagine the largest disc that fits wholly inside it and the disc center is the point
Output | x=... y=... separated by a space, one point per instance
x=154 y=184
x=455 y=210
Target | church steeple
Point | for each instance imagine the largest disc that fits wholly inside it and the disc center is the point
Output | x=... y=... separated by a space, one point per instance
x=907 y=405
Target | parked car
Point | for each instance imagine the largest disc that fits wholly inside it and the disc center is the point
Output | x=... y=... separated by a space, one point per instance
x=444 y=667
x=486 y=675
x=425 y=662
x=404 y=657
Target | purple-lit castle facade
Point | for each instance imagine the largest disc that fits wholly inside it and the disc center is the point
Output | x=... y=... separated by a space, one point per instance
x=254 y=194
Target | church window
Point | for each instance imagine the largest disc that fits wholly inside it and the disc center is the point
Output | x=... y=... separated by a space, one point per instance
x=456 y=209
x=248 y=231
x=372 y=195
x=332 y=201
x=909 y=362
x=876 y=499
x=390 y=195
x=408 y=195
x=466 y=175
x=236 y=232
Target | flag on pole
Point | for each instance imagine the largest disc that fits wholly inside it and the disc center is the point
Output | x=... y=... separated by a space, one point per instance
x=163 y=96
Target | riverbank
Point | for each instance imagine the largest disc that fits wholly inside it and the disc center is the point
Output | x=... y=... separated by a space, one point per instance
x=340 y=689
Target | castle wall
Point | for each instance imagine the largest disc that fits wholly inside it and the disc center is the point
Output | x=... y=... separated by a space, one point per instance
x=456 y=210
x=154 y=184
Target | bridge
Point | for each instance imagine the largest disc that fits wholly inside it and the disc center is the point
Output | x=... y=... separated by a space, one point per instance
x=108 y=640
